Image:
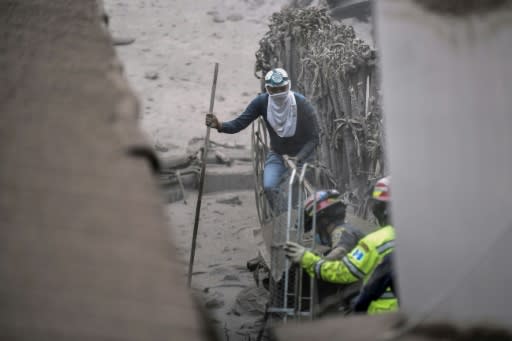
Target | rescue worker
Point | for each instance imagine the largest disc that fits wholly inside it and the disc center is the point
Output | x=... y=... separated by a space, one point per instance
x=291 y=123
x=381 y=279
x=331 y=229
x=333 y=232
x=360 y=262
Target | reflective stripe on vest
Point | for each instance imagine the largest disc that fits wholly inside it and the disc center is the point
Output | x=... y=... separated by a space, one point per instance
x=352 y=268
x=386 y=246
x=318 y=267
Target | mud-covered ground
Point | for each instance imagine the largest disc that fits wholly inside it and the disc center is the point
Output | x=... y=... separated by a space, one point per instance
x=224 y=243
x=170 y=66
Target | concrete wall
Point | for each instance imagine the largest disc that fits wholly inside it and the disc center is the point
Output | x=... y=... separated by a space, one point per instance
x=84 y=245
x=447 y=84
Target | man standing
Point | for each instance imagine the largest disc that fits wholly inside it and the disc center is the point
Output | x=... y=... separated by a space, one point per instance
x=359 y=263
x=291 y=123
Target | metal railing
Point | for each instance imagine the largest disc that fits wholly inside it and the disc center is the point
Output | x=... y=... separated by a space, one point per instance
x=288 y=300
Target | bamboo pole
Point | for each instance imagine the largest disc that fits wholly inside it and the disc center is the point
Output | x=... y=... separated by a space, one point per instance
x=201 y=180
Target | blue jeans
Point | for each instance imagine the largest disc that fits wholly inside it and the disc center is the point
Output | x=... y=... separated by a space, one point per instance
x=272 y=176
x=273 y=173
x=274 y=170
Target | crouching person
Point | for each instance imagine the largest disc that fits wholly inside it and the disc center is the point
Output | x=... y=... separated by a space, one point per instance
x=361 y=261
x=335 y=237
x=332 y=231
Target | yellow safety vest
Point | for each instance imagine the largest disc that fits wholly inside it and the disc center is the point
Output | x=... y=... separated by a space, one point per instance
x=357 y=265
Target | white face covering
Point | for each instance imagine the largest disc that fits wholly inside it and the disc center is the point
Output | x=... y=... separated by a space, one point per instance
x=282 y=113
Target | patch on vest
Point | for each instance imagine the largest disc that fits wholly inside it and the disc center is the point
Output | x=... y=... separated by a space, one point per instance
x=358 y=254
x=364 y=247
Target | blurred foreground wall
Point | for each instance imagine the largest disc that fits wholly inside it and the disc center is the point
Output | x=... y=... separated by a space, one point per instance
x=84 y=247
x=447 y=82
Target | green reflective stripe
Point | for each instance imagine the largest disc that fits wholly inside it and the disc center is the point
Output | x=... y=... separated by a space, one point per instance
x=352 y=268
x=387 y=294
x=386 y=246
x=318 y=267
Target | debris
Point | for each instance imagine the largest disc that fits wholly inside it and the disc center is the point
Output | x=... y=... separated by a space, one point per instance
x=217 y=18
x=231 y=277
x=222 y=158
x=160 y=147
x=235 y=201
x=152 y=75
x=119 y=41
x=215 y=301
x=251 y=300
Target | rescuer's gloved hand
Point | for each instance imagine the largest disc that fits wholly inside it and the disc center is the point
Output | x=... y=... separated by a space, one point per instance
x=294 y=251
x=212 y=121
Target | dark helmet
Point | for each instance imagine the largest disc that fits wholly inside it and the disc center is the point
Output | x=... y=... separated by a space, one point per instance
x=328 y=204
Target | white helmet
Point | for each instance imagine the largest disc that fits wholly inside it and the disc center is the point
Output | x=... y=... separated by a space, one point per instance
x=276 y=78
x=381 y=190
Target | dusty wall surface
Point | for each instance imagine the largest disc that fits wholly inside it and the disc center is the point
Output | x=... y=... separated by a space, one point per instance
x=84 y=248
x=446 y=84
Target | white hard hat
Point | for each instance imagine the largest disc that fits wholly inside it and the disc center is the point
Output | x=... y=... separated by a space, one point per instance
x=276 y=78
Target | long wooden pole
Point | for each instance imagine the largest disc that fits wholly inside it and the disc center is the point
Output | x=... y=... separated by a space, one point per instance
x=201 y=180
